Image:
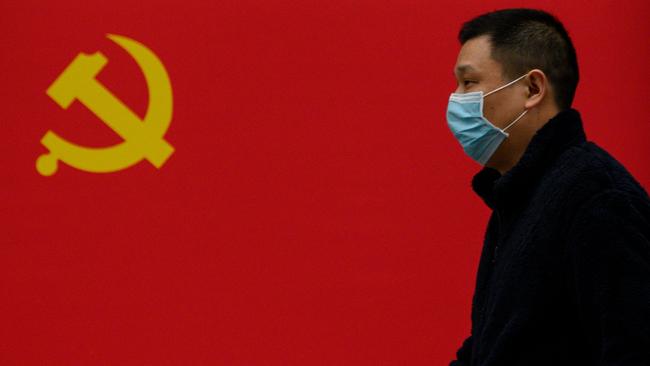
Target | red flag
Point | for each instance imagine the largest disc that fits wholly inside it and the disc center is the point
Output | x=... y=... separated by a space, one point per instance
x=293 y=198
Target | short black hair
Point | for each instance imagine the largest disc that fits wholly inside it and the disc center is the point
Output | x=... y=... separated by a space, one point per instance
x=525 y=39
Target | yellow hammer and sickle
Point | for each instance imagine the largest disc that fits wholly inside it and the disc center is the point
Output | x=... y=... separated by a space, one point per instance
x=143 y=139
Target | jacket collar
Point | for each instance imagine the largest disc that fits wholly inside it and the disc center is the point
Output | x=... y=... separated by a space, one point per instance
x=558 y=134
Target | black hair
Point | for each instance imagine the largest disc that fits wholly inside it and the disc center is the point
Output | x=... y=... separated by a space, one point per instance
x=526 y=39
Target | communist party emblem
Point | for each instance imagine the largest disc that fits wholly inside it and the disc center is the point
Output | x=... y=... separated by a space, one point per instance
x=143 y=139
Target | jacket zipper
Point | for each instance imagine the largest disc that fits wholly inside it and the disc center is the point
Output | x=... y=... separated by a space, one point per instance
x=499 y=236
x=489 y=273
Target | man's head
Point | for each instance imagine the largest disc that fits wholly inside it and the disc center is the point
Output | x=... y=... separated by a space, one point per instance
x=501 y=46
x=526 y=39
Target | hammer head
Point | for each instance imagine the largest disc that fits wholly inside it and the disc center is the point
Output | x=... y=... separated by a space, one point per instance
x=82 y=70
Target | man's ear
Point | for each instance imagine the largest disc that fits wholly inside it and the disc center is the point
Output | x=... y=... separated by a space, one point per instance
x=538 y=88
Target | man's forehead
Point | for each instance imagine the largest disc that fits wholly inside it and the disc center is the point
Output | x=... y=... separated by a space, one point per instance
x=474 y=56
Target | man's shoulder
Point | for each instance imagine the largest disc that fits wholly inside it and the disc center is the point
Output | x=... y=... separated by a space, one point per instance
x=588 y=171
x=616 y=177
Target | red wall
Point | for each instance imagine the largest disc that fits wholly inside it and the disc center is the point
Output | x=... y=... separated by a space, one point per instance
x=317 y=211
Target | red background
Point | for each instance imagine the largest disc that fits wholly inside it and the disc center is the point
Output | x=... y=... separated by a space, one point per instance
x=317 y=211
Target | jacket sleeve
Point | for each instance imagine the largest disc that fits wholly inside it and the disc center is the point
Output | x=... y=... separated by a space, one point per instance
x=609 y=260
x=464 y=353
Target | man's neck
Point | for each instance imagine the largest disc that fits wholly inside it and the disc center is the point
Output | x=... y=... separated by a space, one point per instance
x=514 y=147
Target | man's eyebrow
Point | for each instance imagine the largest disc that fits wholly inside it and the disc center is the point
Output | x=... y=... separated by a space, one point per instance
x=461 y=69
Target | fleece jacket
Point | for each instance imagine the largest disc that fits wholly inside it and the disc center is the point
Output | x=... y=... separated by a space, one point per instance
x=564 y=272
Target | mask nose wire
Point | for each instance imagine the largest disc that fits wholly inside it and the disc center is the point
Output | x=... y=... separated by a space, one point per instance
x=507 y=85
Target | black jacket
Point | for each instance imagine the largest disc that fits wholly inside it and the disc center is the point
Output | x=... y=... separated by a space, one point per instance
x=564 y=274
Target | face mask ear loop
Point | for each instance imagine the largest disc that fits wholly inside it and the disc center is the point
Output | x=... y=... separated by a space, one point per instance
x=505 y=86
x=517 y=119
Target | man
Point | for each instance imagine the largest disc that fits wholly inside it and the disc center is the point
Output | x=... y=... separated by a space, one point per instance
x=564 y=274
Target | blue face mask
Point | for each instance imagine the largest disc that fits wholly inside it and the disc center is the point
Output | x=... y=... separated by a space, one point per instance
x=479 y=138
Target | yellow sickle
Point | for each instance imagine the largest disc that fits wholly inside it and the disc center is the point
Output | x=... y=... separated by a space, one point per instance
x=143 y=139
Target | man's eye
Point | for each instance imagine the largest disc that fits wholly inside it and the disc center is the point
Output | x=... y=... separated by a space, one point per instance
x=468 y=82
